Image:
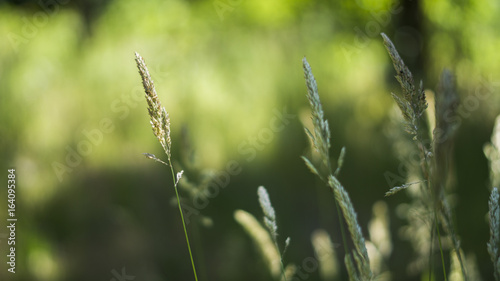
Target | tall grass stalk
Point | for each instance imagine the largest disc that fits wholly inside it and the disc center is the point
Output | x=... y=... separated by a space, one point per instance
x=435 y=149
x=412 y=105
x=160 y=123
x=359 y=269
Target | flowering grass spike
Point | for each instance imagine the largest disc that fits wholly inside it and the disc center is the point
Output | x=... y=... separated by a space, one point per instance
x=160 y=122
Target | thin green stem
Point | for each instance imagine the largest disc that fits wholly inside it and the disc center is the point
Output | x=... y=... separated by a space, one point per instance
x=197 y=243
x=283 y=270
x=439 y=241
x=182 y=218
x=281 y=261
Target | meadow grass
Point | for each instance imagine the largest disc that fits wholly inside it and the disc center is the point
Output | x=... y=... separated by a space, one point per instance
x=359 y=268
x=434 y=145
x=431 y=135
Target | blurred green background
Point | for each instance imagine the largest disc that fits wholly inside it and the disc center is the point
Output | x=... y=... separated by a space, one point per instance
x=74 y=125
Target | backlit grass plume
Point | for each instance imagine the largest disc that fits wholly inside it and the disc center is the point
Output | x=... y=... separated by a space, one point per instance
x=321 y=136
x=160 y=122
x=262 y=240
x=359 y=269
x=271 y=224
x=413 y=103
x=269 y=214
x=267 y=242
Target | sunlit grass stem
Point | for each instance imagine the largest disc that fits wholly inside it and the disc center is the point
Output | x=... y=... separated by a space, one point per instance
x=160 y=123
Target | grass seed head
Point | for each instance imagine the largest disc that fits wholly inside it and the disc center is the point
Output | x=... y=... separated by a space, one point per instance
x=160 y=120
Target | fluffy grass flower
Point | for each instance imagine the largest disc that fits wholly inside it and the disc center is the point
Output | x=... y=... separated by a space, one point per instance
x=160 y=120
